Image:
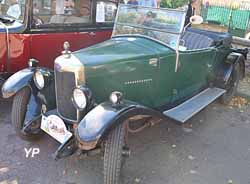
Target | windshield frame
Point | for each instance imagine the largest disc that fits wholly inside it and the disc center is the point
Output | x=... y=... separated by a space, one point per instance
x=178 y=34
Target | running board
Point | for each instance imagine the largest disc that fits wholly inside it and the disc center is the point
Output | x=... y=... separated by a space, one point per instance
x=189 y=108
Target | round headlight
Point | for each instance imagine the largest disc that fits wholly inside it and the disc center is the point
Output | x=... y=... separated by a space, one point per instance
x=79 y=98
x=39 y=79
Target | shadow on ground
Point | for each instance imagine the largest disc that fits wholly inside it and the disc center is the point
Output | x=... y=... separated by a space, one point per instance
x=212 y=148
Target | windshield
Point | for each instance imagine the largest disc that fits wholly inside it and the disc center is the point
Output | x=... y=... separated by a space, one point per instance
x=163 y=25
x=12 y=8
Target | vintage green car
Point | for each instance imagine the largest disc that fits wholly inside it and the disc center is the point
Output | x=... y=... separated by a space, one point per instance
x=152 y=68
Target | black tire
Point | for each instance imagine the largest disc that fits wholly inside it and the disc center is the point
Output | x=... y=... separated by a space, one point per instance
x=113 y=157
x=19 y=108
x=232 y=85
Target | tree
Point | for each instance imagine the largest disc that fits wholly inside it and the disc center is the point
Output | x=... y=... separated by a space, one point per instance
x=173 y=3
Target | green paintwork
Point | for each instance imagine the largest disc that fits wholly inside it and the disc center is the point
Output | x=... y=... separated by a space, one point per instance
x=111 y=64
x=115 y=64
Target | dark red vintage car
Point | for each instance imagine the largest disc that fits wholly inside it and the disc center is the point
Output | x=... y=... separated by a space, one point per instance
x=37 y=29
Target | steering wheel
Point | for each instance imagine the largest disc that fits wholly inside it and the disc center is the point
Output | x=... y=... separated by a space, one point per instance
x=37 y=21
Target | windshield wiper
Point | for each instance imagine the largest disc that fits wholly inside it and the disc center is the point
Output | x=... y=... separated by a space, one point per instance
x=6 y=19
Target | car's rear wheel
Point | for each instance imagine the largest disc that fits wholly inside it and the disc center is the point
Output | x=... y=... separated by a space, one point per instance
x=113 y=155
x=19 y=109
x=232 y=85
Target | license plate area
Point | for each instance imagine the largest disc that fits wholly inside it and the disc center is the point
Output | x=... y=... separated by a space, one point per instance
x=56 y=128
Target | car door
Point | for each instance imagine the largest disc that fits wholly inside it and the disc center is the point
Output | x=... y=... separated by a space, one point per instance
x=52 y=26
x=195 y=71
x=195 y=67
x=3 y=52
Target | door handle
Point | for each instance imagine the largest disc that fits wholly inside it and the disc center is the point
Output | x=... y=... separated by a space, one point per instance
x=92 y=33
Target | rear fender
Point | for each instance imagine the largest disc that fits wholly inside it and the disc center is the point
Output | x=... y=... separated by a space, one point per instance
x=231 y=60
x=100 y=120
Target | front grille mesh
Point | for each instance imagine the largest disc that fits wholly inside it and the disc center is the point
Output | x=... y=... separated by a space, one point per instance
x=65 y=83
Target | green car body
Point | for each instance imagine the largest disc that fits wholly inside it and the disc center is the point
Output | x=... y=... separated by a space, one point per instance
x=152 y=66
x=144 y=70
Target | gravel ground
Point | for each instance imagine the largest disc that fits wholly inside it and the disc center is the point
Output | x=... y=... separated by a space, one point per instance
x=214 y=148
x=244 y=87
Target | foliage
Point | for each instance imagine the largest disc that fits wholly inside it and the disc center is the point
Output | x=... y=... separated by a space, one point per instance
x=173 y=3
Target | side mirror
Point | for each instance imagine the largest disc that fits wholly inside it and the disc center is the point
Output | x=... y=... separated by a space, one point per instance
x=196 y=20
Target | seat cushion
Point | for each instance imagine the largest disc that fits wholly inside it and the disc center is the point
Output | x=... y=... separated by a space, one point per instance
x=219 y=38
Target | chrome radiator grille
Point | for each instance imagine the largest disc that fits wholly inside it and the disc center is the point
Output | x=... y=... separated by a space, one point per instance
x=65 y=83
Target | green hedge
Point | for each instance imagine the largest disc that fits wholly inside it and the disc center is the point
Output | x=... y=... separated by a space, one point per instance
x=173 y=3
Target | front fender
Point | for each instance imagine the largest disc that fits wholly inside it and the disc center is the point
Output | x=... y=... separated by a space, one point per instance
x=94 y=124
x=16 y=82
x=46 y=96
x=106 y=116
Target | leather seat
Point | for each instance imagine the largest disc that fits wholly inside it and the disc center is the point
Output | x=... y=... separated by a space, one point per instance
x=200 y=39
x=195 y=41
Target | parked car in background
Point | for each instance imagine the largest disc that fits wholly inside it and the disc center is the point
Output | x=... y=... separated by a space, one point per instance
x=152 y=68
x=36 y=29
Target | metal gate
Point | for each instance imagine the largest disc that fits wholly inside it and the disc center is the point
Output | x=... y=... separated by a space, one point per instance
x=235 y=15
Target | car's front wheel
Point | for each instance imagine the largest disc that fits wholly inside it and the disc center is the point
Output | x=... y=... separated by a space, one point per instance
x=19 y=109
x=232 y=85
x=113 y=155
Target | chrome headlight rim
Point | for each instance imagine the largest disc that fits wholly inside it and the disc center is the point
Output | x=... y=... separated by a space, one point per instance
x=115 y=97
x=39 y=79
x=84 y=97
